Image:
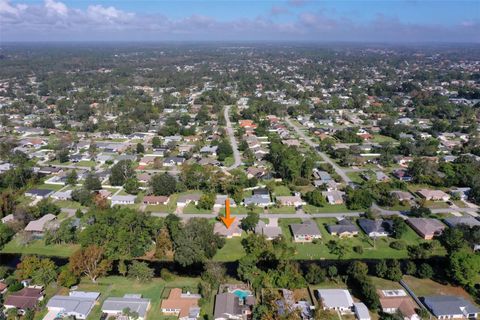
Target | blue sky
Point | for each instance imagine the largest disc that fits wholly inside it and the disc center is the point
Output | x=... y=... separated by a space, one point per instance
x=303 y=20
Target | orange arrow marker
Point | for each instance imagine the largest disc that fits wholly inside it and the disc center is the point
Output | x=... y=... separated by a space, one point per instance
x=227 y=220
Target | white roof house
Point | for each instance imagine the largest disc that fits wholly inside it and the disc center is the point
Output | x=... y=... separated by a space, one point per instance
x=336 y=299
x=115 y=306
x=361 y=311
x=76 y=305
x=129 y=199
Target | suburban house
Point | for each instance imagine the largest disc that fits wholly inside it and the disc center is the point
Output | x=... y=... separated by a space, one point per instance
x=361 y=311
x=334 y=196
x=183 y=201
x=233 y=231
x=402 y=175
x=465 y=220
x=173 y=161
x=155 y=200
x=397 y=301
x=122 y=200
x=306 y=231
x=78 y=304
x=426 y=228
x=134 y=302
x=62 y=195
x=230 y=306
x=335 y=299
x=376 y=228
x=39 y=193
x=220 y=201
x=433 y=195
x=343 y=228
x=183 y=305
x=295 y=201
x=27 y=298
x=451 y=307
x=38 y=227
x=461 y=193
x=260 y=198
x=270 y=232
x=290 y=304
x=402 y=195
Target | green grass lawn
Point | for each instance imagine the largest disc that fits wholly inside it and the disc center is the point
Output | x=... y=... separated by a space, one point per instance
x=192 y=209
x=328 y=208
x=355 y=176
x=381 y=138
x=154 y=290
x=39 y=247
x=231 y=251
x=436 y=205
x=228 y=161
x=55 y=187
x=85 y=163
x=68 y=204
x=283 y=209
x=427 y=287
x=239 y=210
x=282 y=190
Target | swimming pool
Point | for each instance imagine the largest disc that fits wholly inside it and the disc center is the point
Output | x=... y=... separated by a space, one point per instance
x=241 y=294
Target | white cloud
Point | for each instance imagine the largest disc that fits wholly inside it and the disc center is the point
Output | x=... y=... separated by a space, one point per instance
x=56 y=8
x=110 y=14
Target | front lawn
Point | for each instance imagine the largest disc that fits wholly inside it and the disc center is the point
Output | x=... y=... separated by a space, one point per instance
x=191 y=208
x=328 y=208
x=281 y=190
x=39 y=247
x=282 y=209
x=48 y=186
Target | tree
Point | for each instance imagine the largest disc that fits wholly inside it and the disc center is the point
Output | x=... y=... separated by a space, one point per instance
x=140 y=271
x=63 y=156
x=224 y=150
x=90 y=261
x=315 y=274
x=122 y=267
x=359 y=198
x=410 y=268
x=66 y=278
x=337 y=248
x=132 y=186
x=41 y=271
x=156 y=142
x=6 y=234
x=424 y=271
x=420 y=212
x=164 y=245
x=206 y=201
x=72 y=177
x=43 y=207
x=83 y=196
x=121 y=171
x=140 y=148
x=315 y=198
x=399 y=227
x=250 y=221
x=8 y=203
x=332 y=272
x=381 y=269
x=453 y=239
x=464 y=267
x=66 y=233
x=163 y=184
x=92 y=183
x=394 y=272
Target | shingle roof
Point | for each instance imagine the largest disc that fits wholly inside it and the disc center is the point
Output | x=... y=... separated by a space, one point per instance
x=449 y=305
x=138 y=305
x=308 y=227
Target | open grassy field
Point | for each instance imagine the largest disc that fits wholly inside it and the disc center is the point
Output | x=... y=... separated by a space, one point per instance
x=231 y=251
x=39 y=247
x=427 y=287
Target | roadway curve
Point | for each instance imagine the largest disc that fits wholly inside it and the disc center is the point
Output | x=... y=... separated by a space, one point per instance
x=233 y=142
x=324 y=156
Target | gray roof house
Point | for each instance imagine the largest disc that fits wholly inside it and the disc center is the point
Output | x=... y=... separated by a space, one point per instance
x=269 y=231
x=447 y=307
x=39 y=193
x=344 y=228
x=39 y=226
x=361 y=311
x=77 y=304
x=376 y=228
x=229 y=306
x=115 y=306
x=336 y=299
x=306 y=231
x=121 y=200
x=468 y=221
x=259 y=200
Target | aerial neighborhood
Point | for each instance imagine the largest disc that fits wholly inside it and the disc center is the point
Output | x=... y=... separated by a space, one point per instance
x=177 y=182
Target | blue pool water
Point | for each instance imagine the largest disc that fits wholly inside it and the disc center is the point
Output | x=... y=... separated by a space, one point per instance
x=241 y=294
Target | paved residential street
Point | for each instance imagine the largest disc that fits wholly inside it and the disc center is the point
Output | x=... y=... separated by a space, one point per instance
x=233 y=141
x=324 y=156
